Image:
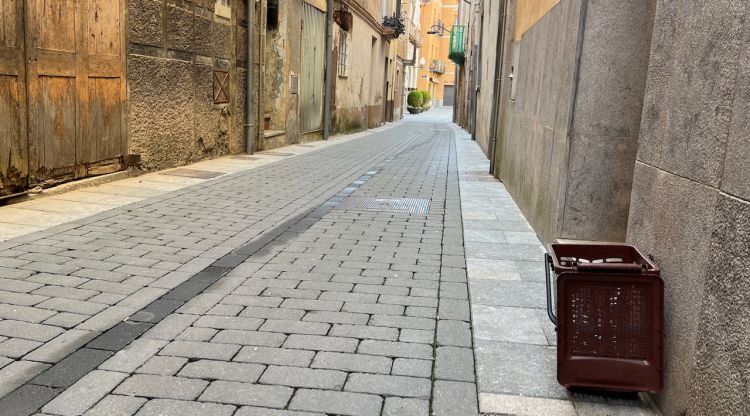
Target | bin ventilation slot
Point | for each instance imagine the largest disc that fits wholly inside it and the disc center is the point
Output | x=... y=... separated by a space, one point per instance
x=609 y=321
x=371 y=203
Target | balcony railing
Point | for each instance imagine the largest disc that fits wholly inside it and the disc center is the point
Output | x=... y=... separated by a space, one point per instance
x=456 y=52
x=437 y=66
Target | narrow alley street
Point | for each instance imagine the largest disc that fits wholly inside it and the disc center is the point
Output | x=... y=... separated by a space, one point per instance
x=386 y=274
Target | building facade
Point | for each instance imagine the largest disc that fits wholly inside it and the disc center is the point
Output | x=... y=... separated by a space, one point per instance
x=645 y=142
x=91 y=87
x=436 y=73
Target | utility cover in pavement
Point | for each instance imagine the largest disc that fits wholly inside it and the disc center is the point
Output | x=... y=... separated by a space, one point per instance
x=372 y=203
x=192 y=173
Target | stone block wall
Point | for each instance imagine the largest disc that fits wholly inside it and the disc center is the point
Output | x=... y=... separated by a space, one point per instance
x=174 y=48
x=573 y=180
x=690 y=204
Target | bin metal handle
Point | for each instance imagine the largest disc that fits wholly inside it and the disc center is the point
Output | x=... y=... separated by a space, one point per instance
x=620 y=267
x=547 y=266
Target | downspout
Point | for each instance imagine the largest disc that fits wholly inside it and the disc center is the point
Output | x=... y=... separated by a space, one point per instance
x=250 y=105
x=329 y=71
x=477 y=75
x=459 y=21
x=500 y=46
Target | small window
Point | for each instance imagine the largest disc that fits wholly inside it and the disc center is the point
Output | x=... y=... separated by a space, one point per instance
x=223 y=8
x=343 y=69
x=272 y=15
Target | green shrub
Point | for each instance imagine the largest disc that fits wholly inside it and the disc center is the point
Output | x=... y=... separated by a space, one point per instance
x=414 y=99
x=425 y=97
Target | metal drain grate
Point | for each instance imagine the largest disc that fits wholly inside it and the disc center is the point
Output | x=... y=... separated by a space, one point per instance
x=192 y=173
x=372 y=203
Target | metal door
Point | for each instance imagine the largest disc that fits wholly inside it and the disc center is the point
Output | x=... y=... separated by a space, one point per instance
x=313 y=68
x=14 y=147
x=76 y=87
x=448 y=95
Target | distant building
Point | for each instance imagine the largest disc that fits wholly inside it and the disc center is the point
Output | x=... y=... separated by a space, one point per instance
x=436 y=72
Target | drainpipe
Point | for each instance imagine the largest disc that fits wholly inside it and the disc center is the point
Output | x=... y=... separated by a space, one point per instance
x=329 y=71
x=250 y=105
x=456 y=66
x=477 y=74
x=496 y=101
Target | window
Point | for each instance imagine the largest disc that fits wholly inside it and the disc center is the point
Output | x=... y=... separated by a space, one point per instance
x=343 y=69
x=223 y=8
x=272 y=15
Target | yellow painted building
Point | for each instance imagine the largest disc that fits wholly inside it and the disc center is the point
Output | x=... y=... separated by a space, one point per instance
x=436 y=72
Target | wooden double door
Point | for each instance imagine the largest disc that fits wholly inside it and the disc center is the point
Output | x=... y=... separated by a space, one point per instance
x=62 y=90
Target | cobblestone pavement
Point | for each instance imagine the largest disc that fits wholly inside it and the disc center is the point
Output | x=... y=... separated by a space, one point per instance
x=283 y=290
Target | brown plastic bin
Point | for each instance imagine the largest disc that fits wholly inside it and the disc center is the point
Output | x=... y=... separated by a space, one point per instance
x=610 y=303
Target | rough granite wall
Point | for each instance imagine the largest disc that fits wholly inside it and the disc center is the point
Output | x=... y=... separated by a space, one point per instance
x=690 y=204
x=174 y=48
x=573 y=184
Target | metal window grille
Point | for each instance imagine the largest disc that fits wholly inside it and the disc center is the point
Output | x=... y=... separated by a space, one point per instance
x=343 y=67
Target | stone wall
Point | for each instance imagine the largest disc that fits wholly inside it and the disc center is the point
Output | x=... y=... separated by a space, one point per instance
x=573 y=181
x=691 y=201
x=174 y=48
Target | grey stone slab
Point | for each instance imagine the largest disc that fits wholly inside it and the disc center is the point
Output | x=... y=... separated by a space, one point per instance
x=275 y=356
x=321 y=343
x=454 y=333
x=498 y=371
x=262 y=339
x=166 y=407
x=120 y=335
x=165 y=387
x=229 y=322
x=411 y=367
x=454 y=398
x=156 y=311
x=389 y=385
x=365 y=332
x=272 y=313
x=114 y=405
x=247 y=394
x=30 y=331
x=508 y=293
x=198 y=334
x=417 y=335
x=336 y=402
x=510 y=324
x=26 y=400
x=24 y=313
x=17 y=347
x=133 y=355
x=171 y=326
x=295 y=327
x=62 y=345
x=162 y=365
x=17 y=373
x=222 y=370
x=72 y=368
x=304 y=377
x=206 y=350
x=396 y=406
x=262 y=411
x=84 y=394
x=352 y=362
x=395 y=349
x=454 y=363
